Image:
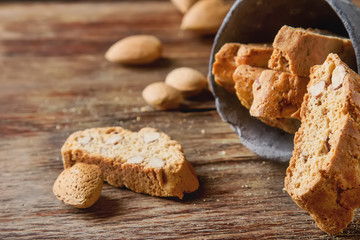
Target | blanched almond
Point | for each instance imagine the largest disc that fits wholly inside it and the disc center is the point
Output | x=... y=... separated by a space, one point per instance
x=338 y=76
x=156 y=162
x=84 y=140
x=151 y=137
x=138 y=49
x=162 y=96
x=113 y=140
x=183 y=5
x=316 y=89
x=136 y=159
x=205 y=16
x=187 y=80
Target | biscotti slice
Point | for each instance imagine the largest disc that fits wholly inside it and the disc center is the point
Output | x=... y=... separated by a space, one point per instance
x=255 y=55
x=244 y=78
x=147 y=161
x=278 y=94
x=225 y=65
x=296 y=50
x=324 y=172
x=233 y=54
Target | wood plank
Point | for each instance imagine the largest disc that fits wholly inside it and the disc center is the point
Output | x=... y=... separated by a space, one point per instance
x=54 y=80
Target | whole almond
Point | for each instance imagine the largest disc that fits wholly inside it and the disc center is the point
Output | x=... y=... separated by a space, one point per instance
x=183 y=5
x=187 y=80
x=162 y=96
x=205 y=16
x=79 y=186
x=136 y=50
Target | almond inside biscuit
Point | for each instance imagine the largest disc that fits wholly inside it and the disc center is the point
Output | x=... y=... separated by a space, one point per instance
x=84 y=140
x=316 y=89
x=136 y=159
x=338 y=76
x=156 y=162
x=151 y=137
x=113 y=140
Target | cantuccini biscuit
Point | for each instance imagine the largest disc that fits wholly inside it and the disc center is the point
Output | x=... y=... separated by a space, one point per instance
x=278 y=94
x=232 y=55
x=255 y=55
x=225 y=65
x=324 y=172
x=296 y=50
x=244 y=78
x=147 y=161
x=79 y=186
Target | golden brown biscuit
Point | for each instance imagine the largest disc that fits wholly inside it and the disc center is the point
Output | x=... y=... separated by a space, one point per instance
x=244 y=78
x=232 y=55
x=225 y=65
x=296 y=50
x=323 y=177
x=255 y=55
x=278 y=95
x=147 y=161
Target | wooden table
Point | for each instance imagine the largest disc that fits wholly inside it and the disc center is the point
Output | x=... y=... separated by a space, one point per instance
x=54 y=80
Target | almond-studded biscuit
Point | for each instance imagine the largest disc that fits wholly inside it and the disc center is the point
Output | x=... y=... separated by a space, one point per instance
x=244 y=78
x=147 y=161
x=324 y=172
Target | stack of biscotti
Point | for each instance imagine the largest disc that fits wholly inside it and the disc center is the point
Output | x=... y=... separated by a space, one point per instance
x=323 y=177
x=279 y=92
x=236 y=68
x=273 y=84
x=324 y=172
x=231 y=55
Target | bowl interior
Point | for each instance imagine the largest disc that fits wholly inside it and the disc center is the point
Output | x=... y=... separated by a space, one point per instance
x=258 y=21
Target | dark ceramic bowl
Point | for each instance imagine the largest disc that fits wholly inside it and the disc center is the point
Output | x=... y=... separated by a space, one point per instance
x=257 y=21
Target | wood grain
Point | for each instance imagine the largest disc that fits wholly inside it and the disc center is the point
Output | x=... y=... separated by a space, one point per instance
x=54 y=80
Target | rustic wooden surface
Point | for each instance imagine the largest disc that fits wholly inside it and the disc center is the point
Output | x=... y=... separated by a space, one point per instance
x=54 y=81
